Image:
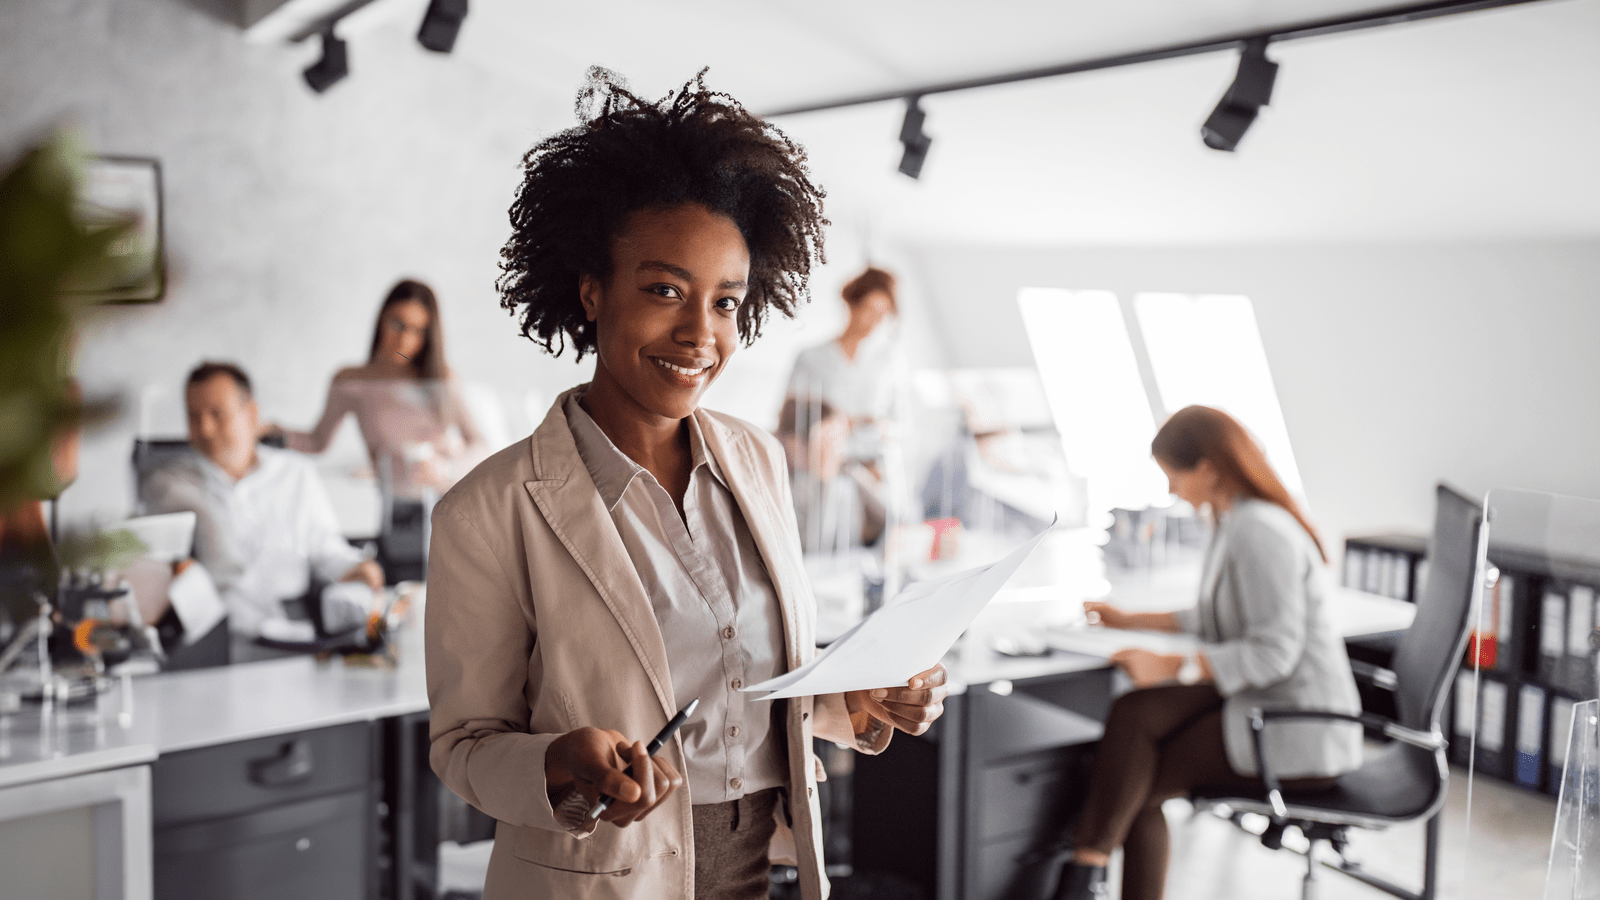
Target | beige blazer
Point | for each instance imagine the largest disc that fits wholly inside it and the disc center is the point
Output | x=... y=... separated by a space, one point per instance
x=537 y=624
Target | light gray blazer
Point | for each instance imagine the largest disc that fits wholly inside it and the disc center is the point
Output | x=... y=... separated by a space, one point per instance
x=1263 y=624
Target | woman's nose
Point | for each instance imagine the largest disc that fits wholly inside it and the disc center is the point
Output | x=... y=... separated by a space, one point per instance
x=694 y=326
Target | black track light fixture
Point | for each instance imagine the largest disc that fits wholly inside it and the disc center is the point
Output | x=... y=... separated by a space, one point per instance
x=333 y=66
x=1251 y=90
x=916 y=143
x=441 y=24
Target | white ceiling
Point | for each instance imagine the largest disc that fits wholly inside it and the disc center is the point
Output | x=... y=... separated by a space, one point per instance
x=1478 y=126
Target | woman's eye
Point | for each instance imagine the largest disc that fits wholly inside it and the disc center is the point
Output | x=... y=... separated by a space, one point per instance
x=664 y=290
x=728 y=304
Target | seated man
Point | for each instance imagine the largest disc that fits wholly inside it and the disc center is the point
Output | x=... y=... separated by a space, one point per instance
x=265 y=523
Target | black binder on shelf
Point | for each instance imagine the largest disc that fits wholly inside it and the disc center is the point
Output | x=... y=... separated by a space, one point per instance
x=1577 y=672
x=1552 y=649
x=1508 y=618
x=1528 y=769
x=1558 y=730
x=1495 y=718
x=1354 y=564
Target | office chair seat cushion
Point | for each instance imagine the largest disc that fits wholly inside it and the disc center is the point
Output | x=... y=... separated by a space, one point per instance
x=1396 y=783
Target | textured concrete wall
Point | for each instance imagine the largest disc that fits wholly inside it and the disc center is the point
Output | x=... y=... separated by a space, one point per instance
x=290 y=214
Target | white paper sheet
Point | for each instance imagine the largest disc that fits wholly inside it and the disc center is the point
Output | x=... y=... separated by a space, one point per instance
x=1093 y=640
x=908 y=635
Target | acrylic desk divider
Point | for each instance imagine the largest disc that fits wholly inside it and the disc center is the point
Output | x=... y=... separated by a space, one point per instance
x=1528 y=686
x=1574 y=872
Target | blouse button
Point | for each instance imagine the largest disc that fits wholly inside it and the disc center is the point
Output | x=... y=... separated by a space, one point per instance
x=738 y=684
x=735 y=783
x=733 y=731
x=727 y=633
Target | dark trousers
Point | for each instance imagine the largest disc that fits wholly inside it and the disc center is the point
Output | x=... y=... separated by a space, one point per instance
x=730 y=847
x=1159 y=743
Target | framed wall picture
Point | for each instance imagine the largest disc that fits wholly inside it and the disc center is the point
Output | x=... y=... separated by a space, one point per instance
x=115 y=189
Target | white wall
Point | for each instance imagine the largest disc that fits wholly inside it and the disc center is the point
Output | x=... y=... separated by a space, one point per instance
x=1396 y=365
x=289 y=215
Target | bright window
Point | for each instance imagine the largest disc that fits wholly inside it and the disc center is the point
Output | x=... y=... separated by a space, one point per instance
x=1207 y=350
x=1091 y=379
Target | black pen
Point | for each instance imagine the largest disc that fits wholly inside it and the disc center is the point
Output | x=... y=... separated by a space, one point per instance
x=656 y=743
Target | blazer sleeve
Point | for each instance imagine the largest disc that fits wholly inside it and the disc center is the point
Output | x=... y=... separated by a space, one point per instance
x=478 y=642
x=1266 y=572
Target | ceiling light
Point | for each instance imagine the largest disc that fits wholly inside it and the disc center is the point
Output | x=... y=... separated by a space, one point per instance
x=915 y=142
x=441 y=23
x=333 y=66
x=1251 y=90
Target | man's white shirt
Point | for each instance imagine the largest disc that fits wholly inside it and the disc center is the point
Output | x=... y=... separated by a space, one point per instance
x=260 y=537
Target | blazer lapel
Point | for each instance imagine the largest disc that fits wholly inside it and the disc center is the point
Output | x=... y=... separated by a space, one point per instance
x=571 y=505
x=1215 y=554
x=769 y=529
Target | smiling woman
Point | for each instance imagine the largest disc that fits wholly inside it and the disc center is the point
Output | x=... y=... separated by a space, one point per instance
x=638 y=552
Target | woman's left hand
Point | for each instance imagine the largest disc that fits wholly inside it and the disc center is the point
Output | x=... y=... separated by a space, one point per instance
x=911 y=708
x=1145 y=668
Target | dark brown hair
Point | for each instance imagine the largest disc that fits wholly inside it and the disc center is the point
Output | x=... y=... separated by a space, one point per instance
x=1200 y=432
x=873 y=279
x=210 y=369
x=429 y=362
x=580 y=188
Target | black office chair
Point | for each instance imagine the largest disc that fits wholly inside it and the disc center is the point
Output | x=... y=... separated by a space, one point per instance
x=1405 y=780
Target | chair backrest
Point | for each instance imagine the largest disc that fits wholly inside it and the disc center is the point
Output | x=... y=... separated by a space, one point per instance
x=1431 y=650
x=150 y=456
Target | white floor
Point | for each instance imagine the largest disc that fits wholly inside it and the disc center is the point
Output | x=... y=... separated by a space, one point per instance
x=1504 y=857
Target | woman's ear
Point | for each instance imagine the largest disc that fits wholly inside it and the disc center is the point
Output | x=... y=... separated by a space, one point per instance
x=590 y=290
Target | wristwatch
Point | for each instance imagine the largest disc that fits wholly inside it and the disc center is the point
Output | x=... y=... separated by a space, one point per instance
x=1189 y=672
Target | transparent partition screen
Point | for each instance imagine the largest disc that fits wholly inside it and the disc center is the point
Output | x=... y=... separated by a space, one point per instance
x=1524 y=718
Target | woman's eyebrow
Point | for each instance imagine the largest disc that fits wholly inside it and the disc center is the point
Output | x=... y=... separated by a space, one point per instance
x=656 y=265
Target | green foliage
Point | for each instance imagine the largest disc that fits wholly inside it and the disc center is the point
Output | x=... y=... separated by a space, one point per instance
x=99 y=550
x=43 y=247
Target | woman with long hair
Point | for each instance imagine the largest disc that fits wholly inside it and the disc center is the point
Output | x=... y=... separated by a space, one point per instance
x=1265 y=641
x=638 y=551
x=419 y=434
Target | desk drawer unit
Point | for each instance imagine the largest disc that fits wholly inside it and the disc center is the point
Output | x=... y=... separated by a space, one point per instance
x=1036 y=796
x=309 y=849
x=284 y=816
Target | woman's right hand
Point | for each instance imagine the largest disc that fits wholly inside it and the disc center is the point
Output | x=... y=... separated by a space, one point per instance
x=1105 y=614
x=591 y=761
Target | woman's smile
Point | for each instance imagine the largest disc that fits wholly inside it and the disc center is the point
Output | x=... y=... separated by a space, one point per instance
x=689 y=373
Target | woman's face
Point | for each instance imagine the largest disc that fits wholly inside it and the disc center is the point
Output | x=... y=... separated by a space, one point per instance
x=667 y=320
x=1197 y=486
x=870 y=310
x=402 y=331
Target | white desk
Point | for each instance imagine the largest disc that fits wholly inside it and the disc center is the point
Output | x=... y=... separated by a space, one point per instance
x=206 y=707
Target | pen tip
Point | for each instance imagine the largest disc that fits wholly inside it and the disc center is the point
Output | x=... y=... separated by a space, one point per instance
x=689 y=710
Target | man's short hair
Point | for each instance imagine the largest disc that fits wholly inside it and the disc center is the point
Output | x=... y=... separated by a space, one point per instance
x=209 y=370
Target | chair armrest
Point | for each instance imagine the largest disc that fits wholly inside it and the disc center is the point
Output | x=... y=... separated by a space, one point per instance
x=1390 y=729
x=1377 y=676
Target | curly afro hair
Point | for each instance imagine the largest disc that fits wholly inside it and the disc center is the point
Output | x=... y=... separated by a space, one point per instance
x=580 y=186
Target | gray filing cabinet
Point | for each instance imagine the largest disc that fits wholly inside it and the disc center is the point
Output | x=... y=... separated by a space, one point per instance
x=291 y=815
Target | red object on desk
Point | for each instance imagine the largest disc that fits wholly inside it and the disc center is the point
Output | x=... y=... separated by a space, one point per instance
x=946 y=536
